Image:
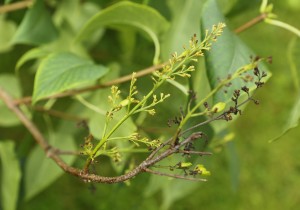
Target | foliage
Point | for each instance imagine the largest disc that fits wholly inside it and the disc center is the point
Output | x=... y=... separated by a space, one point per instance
x=97 y=117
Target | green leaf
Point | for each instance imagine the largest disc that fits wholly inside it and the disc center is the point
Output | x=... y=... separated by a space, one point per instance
x=10 y=175
x=227 y=55
x=293 y=120
x=7 y=28
x=41 y=171
x=185 y=23
x=62 y=71
x=141 y=17
x=36 y=27
x=219 y=107
x=32 y=54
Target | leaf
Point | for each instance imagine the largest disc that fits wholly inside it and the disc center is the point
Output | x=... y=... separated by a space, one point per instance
x=10 y=175
x=185 y=23
x=34 y=53
x=141 y=17
x=62 y=71
x=293 y=120
x=7 y=28
x=36 y=27
x=227 y=55
x=219 y=107
x=41 y=171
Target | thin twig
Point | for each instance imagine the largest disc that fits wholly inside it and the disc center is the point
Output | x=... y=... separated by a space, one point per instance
x=250 y=23
x=174 y=175
x=15 y=6
x=194 y=152
x=120 y=80
x=59 y=114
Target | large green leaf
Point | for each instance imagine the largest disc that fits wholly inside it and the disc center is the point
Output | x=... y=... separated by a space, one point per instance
x=11 y=175
x=36 y=27
x=62 y=71
x=227 y=55
x=141 y=17
x=41 y=171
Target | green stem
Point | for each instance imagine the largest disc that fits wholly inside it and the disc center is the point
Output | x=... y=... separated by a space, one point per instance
x=283 y=25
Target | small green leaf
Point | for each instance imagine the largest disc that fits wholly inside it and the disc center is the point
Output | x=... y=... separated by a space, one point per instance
x=202 y=170
x=185 y=165
x=141 y=17
x=10 y=175
x=36 y=27
x=227 y=55
x=62 y=71
x=219 y=107
x=41 y=171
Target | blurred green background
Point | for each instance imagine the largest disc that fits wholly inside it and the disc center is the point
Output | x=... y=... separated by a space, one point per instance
x=248 y=172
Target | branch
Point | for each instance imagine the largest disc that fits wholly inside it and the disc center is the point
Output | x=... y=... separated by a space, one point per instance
x=53 y=153
x=15 y=6
x=59 y=114
x=174 y=175
x=120 y=80
x=250 y=23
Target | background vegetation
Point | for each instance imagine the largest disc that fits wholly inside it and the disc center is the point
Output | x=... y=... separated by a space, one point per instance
x=248 y=172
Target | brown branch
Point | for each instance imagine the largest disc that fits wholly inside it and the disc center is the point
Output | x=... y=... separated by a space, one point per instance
x=52 y=152
x=120 y=80
x=15 y=6
x=250 y=23
x=59 y=114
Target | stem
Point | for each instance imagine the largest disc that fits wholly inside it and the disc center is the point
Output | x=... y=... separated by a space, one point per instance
x=15 y=6
x=173 y=175
x=120 y=80
x=283 y=25
x=250 y=23
x=216 y=89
